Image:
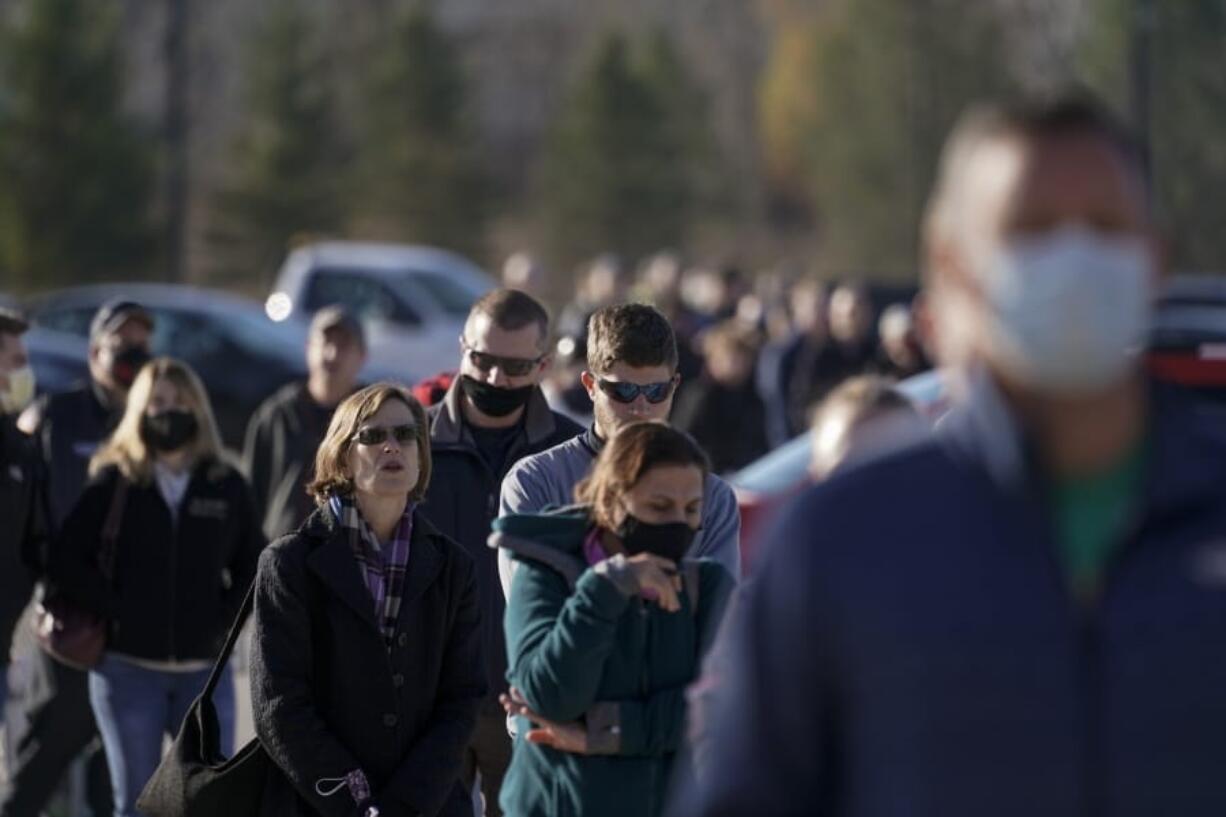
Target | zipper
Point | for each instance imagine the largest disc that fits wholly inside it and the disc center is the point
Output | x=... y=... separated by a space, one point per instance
x=174 y=576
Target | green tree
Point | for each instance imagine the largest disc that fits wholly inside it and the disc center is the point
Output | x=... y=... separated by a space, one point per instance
x=287 y=163
x=421 y=179
x=75 y=171
x=861 y=113
x=620 y=169
x=1169 y=57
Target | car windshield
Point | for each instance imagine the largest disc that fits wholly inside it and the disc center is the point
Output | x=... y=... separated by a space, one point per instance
x=454 y=298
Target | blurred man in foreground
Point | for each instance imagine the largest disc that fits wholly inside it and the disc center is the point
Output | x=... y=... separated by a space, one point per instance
x=1036 y=625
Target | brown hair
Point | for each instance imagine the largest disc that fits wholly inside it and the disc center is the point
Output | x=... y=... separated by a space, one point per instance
x=511 y=309
x=125 y=448
x=331 y=470
x=635 y=334
x=632 y=452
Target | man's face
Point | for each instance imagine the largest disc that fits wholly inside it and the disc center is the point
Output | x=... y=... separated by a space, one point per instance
x=611 y=414
x=335 y=356
x=523 y=358
x=850 y=317
x=109 y=349
x=1019 y=189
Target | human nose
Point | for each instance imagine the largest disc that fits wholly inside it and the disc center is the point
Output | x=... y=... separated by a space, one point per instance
x=496 y=376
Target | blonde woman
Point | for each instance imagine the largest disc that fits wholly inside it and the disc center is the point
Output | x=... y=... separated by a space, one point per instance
x=185 y=552
x=366 y=668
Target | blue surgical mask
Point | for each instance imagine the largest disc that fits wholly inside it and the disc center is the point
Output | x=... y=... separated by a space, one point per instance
x=1070 y=309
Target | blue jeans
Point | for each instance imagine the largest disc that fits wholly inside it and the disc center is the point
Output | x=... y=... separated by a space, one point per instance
x=136 y=708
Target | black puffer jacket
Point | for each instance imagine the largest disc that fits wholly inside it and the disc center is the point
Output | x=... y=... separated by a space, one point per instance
x=177 y=585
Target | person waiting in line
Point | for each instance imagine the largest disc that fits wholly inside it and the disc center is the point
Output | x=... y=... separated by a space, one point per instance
x=366 y=667
x=492 y=415
x=184 y=554
x=286 y=429
x=631 y=376
x=606 y=625
x=862 y=418
x=48 y=720
x=722 y=410
x=1025 y=613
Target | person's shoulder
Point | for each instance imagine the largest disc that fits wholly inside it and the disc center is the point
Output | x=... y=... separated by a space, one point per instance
x=289 y=552
x=280 y=401
x=564 y=428
x=564 y=452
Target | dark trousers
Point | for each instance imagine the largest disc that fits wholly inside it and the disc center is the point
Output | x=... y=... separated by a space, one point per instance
x=48 y=724
x=489 y=752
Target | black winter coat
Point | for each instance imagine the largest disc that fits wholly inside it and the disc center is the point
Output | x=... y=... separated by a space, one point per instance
x=462 y=502
x=329 y=698
x=177 y=585
x=279 y=456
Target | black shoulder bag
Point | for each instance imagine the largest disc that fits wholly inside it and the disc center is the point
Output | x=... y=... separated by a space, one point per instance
x=194 y=779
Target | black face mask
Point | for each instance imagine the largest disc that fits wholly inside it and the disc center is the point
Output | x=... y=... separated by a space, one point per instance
x=168 y=431
x=125 y=364
x=670 y=540
x=491 y=400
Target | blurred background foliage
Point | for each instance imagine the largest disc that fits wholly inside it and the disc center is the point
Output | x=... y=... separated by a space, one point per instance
x=763 y=131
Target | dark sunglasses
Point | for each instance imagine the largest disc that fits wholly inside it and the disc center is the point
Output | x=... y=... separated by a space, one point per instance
x=629 y=392
x=512 y=366
x=375 y=435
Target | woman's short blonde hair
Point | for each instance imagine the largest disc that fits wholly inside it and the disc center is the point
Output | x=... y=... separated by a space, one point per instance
x=126 y=449
x=632 y=452
x=331 y=460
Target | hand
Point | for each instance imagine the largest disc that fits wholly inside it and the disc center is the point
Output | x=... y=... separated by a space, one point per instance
x=565 y=737
x=658 y=580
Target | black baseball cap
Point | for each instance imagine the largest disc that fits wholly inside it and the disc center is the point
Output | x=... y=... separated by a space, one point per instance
x=115 y=313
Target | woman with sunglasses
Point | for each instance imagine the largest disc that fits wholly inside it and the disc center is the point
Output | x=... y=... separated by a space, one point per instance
x=606 y=626
x=366 y=669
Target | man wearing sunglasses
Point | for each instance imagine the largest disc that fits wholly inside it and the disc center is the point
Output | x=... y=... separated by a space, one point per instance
x=631 y=377
x=493 y=414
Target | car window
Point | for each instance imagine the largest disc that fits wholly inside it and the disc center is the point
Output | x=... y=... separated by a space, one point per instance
x=187 y=336
x=366 y=297
x=452 y=297
x=74 y=320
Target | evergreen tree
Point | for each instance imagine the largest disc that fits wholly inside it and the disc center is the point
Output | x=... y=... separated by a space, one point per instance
x=287 y=162
x=885 y=81
x=421 y=179
x=75 y=172
x=1183 y=81
x=618 y=172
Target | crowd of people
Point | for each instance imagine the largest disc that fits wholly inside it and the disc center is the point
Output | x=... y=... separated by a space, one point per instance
x=517 y=588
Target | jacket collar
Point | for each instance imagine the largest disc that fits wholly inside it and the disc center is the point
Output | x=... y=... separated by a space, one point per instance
x=592 y=441
x=333 y=562
x=1186 y=462
x=448 y=426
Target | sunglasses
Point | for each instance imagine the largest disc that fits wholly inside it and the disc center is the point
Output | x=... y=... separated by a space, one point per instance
x=629 y=392
x=376 y=435
x=511 y=366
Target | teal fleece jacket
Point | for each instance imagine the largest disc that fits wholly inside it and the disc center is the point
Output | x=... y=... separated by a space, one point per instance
x=579 y=649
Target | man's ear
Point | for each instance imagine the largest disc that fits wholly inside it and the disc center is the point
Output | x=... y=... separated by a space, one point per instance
x=589 y=383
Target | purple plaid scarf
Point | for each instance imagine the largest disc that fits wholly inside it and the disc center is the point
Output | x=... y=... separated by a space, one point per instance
x=383 y=566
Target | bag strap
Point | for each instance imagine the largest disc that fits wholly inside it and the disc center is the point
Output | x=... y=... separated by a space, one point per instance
x=235 y=629
x=110 y=528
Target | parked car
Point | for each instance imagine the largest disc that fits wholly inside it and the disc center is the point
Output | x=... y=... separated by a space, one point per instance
x=240 y=354
x=412 y=299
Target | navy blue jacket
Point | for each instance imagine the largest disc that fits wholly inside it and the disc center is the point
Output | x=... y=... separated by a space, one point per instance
x=911 y=647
